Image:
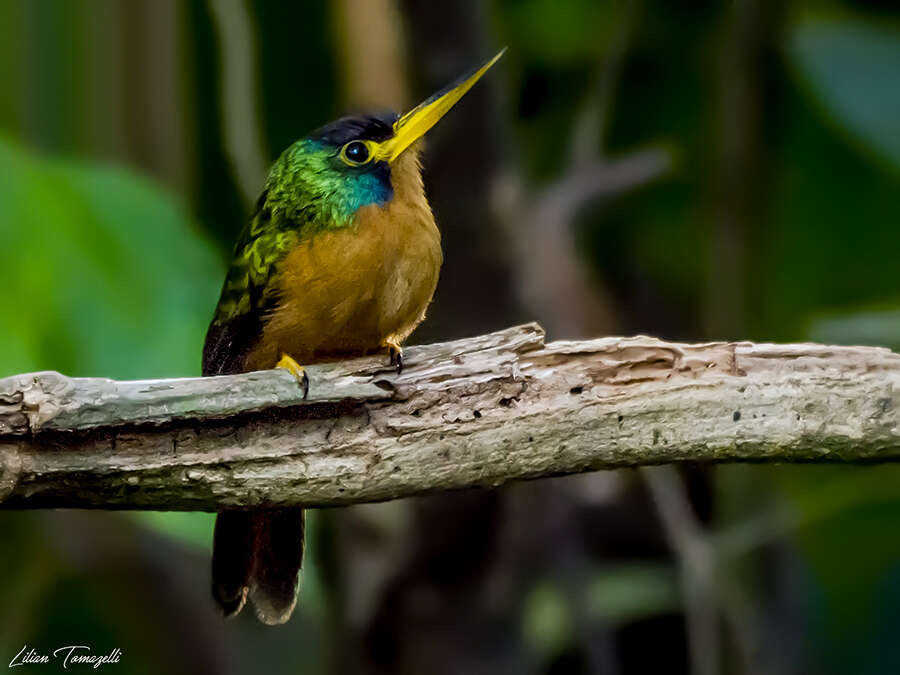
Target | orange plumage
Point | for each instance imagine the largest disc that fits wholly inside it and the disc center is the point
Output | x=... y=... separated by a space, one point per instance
x=341 y=259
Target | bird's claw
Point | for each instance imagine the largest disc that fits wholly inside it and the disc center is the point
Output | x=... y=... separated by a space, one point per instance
x=295 y=369
x=396 y=357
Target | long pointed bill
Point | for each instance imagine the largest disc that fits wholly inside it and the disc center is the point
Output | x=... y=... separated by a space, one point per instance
x=413 y=125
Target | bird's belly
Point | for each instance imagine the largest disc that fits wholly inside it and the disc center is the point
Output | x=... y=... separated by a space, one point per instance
x=350 y=291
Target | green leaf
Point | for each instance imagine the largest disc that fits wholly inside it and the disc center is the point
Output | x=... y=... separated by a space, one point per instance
x=843 y=514
x=192 y=528
x=614 y=594
x=546 y=619
x=103 y=273
x=864 y=327
x=851 y=67
x=630 y=592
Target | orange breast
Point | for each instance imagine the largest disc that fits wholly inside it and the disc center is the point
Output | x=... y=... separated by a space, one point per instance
x=346 y=292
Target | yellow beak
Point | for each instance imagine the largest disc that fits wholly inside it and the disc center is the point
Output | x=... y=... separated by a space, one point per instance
x=413 y=125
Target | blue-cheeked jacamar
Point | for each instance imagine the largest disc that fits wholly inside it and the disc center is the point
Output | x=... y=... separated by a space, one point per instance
x=341 y=258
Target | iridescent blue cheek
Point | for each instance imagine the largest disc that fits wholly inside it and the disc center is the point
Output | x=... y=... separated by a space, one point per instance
x=370 y=186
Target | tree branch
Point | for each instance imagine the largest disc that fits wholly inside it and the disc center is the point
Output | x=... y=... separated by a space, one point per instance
x=482 y=411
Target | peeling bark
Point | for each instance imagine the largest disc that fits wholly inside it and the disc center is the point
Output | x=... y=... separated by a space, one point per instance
x=477 y=412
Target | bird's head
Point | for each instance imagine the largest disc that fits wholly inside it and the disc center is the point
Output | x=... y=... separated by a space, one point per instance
x=357 y=161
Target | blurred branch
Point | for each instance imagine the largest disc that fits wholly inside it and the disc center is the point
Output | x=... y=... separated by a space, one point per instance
x=590 y=125
x=476 y=412
x=240 y=116
x=539 y=223
x=696 y=564
x=540 y=232
x=143 y=66
x=584 y=183
x=706 y=591
x=371 y=54
x=738 y=164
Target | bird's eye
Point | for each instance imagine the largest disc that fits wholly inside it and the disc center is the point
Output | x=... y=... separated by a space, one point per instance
x=355 y=153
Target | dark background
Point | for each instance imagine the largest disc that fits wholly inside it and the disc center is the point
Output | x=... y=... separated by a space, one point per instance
x=691 y=170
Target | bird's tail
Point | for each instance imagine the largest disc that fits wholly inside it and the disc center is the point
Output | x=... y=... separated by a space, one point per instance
x=258 y=554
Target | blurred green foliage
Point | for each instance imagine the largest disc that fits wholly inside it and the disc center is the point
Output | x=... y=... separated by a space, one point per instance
x=103 y=272
x=850 y=64
x=582 y=30
x=108 y=271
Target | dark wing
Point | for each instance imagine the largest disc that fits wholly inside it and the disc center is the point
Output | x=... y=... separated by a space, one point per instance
x=248 y=294
x=262 y=550
x=228 y=343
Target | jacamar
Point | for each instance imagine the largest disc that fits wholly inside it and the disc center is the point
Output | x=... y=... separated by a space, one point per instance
x=340 y=259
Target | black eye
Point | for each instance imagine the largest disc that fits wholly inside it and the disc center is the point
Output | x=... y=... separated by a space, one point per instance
x=357 y=152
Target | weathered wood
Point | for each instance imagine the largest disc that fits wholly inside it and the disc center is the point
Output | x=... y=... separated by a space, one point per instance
x=481 y=411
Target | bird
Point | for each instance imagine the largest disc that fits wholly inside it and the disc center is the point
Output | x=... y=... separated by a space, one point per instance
x=340 y=258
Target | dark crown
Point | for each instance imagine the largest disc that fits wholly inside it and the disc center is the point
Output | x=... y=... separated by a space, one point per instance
x=377 y=127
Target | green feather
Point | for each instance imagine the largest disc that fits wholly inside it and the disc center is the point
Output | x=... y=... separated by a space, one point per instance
x=248 y=286
x=308 y=190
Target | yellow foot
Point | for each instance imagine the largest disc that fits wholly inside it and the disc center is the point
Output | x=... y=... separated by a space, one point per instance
x=295 y=369
x=396 y=352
